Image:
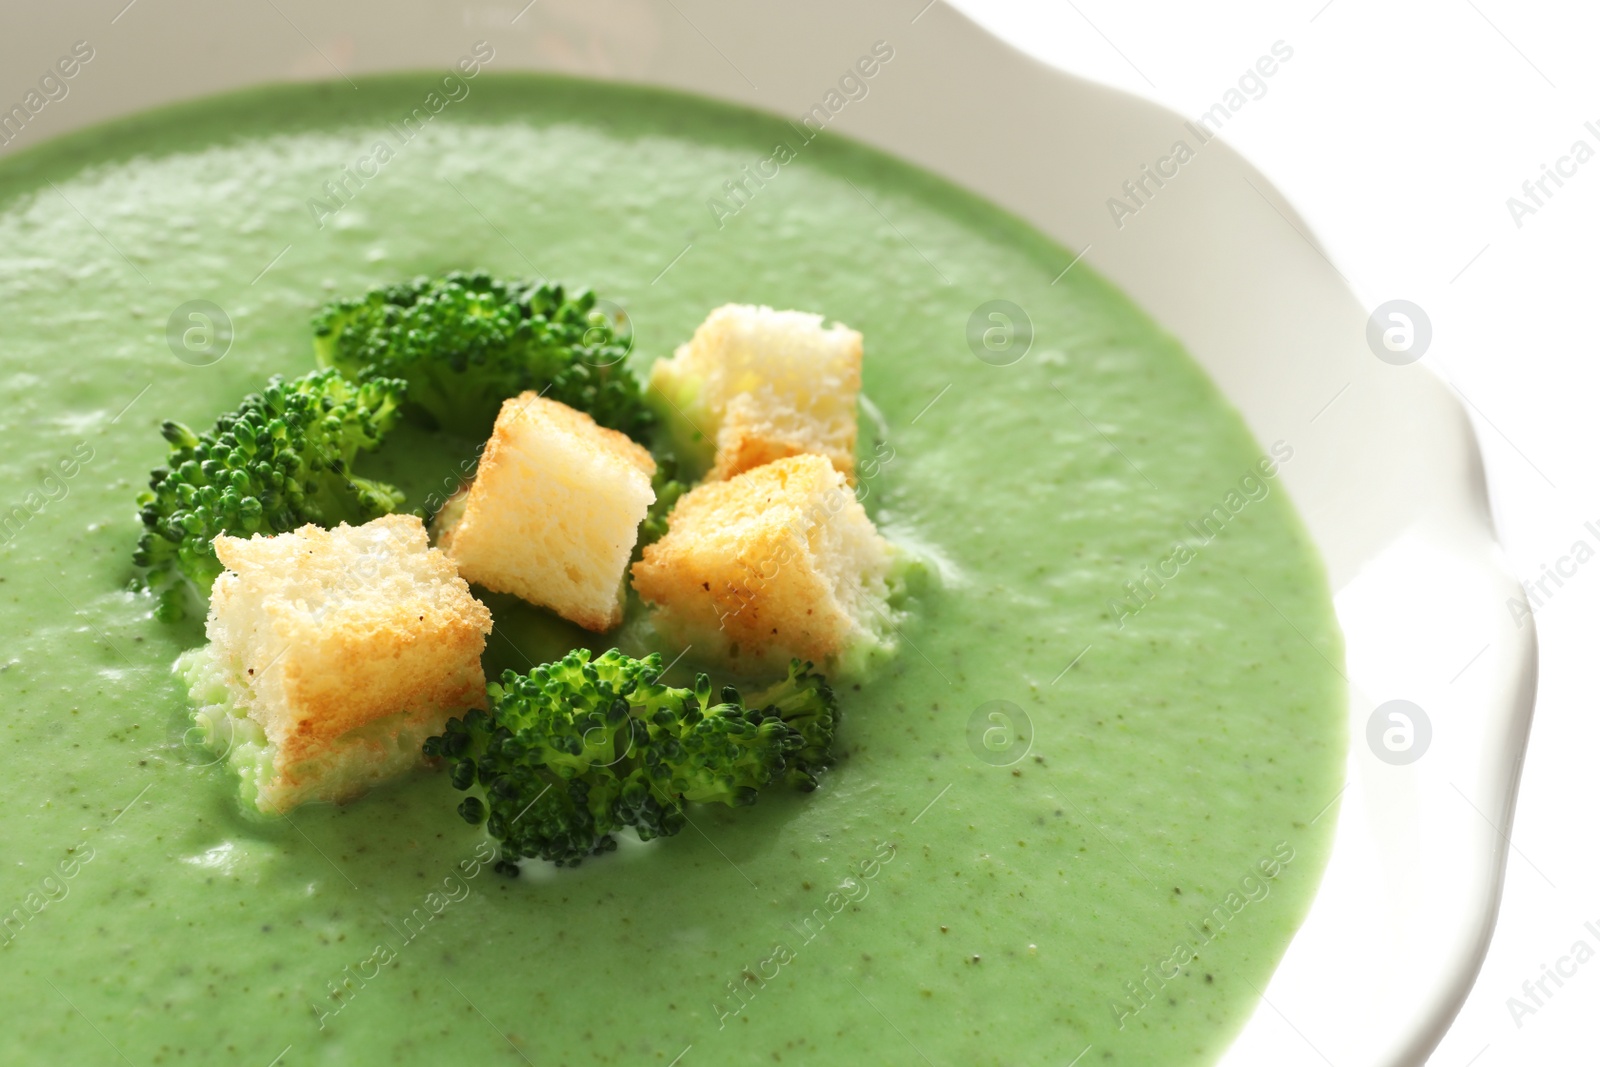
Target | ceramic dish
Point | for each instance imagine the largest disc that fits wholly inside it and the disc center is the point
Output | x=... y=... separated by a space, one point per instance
x=1387 y=473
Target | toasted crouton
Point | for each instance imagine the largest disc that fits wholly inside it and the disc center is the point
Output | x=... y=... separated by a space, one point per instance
x=332 y=655
x=553 y=513
x=777 y=562
x=761 y=385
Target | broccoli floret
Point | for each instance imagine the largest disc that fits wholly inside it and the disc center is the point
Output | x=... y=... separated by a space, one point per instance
x=804 y=701
x=577 y=750
x=465 y=342
x=668 y=487
x=281 y=460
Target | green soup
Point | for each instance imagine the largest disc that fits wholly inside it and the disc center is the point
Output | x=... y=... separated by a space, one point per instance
x=1079 y=811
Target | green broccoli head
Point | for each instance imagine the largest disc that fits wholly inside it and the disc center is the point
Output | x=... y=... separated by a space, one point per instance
x=279 y=461
x=805 y=703
x=578 y=749
x=465 y=342
x=668 y=486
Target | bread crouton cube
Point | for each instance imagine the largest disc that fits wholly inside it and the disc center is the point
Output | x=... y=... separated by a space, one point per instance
x=332 y=655
x=778 y=562
x=759 y=385
x=553 y=513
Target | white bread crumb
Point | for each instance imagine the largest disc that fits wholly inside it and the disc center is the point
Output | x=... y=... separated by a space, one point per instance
x=778 y=562
x=553 y=513
x=332 y=654
x=761 y=385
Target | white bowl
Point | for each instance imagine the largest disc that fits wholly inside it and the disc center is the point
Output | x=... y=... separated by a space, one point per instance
x=1386 y=469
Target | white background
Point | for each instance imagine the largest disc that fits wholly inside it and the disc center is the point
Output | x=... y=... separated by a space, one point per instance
x=1399 y=130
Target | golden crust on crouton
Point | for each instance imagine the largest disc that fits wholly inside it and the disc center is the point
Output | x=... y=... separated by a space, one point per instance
x=325 y=634
x=765 y=385
x=553 y=513
x=775 y=562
